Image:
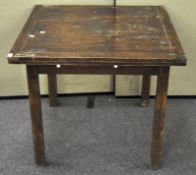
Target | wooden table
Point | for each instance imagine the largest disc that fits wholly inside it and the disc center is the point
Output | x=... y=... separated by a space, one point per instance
x=136 y=40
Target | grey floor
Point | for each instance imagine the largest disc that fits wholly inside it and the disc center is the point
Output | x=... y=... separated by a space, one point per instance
x=111 y=139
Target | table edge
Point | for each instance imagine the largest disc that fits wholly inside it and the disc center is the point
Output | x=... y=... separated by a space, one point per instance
x=180 y=58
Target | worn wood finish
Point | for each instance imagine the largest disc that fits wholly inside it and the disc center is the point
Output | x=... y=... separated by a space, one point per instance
x=159 y=117
x=137 y=35
x=52 y=89
x=137 y=40
x=145 y=90
x=36 y=115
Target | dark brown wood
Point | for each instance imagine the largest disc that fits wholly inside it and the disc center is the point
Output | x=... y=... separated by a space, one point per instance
x=91 y=101
x=52 y=89
x=145 y=90
x=136 y=40
x=171 y=35
x=159 y=117
x=136 y=35
x=88 y=69
x=36 y=115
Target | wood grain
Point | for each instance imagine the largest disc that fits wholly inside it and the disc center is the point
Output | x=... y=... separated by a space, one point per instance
x=136 y=40
x=159 y=117
x=145 y=90
x=52 y=89
x=36 y=115
x=98 y=35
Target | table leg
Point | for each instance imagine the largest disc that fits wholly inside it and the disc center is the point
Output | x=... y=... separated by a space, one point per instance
x=36 y=115
x=91 y=101
x=145 y=90
x=52 y=89
x=159 y=117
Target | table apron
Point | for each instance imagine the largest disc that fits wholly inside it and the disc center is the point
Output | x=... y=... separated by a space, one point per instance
x=123 y=70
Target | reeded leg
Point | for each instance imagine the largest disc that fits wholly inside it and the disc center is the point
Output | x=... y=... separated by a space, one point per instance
x=36 y=115
x=52 y=89
x=145 y=90
x=91 y=101
x=159 y=117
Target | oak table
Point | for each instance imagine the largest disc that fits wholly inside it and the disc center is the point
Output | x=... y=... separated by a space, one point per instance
x=135 y=40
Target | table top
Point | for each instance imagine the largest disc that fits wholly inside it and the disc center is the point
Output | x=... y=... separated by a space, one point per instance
x=130 y=35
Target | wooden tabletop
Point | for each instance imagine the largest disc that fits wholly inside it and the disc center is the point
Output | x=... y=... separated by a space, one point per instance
x=131 y=35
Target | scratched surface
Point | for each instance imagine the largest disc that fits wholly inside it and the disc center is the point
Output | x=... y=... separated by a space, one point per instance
x=98 y=34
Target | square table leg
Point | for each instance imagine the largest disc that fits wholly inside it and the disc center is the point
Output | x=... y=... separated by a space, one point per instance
x=159 y=117
x=36 y=115
x=52 y=89
x=145 y=90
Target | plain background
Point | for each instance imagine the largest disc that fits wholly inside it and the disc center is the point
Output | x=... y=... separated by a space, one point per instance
x=13 y=15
